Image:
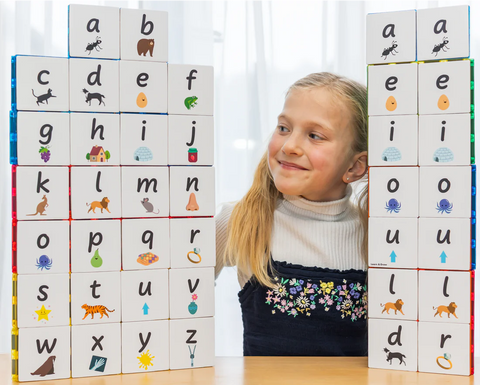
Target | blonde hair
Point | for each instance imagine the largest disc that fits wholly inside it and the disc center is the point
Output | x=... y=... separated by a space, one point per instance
x=250 y=225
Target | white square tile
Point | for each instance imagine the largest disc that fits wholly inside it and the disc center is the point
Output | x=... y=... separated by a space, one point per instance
x=190 y=140
x=392 y=242
x=145 y=244
x=96 y=245
x=192 y=343
x=391 y=37
x=96 y=350
x=145 y=346
x=392 y=293
x=444 y=88
x=192 y=191
x=43 y=247
x=392 y=345
x=393 y=192
x=144 y=139
x=144 y=35
x=94 y=85
x=96 y=192
x=446 y=191
x=192 y=292
x=444 y=348
x=190 y=89
x=144 y=295
x=95 y=298
x=42 y=300
x=392 y=89
x=443 y=32
x=41 y=83
x=445 y=296
x=42 y=193
x=43 y=139
x=95 y=139
x=444 y=243
x=392 y=140
x=192 y=242
x=43 y=353
x=445 y=140
x=143 y=86
x=145 y=192
x=93 y=31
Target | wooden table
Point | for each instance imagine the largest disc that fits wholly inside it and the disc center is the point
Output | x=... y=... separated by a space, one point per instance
x=265 y=370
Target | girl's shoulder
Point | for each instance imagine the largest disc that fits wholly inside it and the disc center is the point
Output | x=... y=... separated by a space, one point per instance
x=222 y=216
x=225 y=209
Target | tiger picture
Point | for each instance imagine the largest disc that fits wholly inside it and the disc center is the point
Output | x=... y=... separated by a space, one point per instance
x=92 y=310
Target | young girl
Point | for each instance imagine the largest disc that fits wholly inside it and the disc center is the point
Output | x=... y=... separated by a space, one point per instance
x=298 y=242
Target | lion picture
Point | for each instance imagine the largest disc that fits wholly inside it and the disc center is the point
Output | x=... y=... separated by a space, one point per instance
x=450 y=309
x=397 y=306
x=99 y=205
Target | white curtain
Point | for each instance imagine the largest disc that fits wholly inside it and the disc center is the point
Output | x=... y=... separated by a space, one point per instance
x=258 y=50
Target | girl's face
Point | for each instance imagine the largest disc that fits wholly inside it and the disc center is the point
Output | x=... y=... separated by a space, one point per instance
x=310 y=151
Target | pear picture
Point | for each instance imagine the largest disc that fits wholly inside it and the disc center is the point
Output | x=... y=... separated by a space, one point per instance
x=96 y=260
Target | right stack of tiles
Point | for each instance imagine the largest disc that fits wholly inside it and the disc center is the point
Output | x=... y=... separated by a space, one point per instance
x=421 y=191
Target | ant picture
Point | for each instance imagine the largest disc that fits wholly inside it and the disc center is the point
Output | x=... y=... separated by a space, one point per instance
x=390 y=50
x=440 y=46
x=95 y=44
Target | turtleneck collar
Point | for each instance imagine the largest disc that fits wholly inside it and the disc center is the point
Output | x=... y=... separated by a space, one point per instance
x=321 y=210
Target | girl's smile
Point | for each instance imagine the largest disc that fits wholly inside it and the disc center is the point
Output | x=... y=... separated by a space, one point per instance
x=291 y=166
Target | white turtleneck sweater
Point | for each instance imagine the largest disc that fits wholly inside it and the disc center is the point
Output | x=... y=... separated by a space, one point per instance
x=307 y=233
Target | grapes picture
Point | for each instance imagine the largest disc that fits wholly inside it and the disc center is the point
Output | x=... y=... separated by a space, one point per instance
x=44 y=153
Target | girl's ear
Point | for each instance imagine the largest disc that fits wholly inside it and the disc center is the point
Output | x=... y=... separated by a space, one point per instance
x=358 y=169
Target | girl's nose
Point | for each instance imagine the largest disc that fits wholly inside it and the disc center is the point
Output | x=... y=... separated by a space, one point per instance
x=292 y=145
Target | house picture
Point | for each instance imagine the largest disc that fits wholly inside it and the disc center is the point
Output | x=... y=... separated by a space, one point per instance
x=97 y=154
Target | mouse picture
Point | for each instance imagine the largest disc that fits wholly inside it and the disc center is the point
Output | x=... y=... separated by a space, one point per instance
x=148 y=206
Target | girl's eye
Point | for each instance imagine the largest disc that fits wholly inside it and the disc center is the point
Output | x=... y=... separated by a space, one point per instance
x=315 y=136
x=282 y=128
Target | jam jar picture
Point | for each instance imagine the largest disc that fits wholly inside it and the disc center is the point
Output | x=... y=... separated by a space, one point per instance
x=192 y=155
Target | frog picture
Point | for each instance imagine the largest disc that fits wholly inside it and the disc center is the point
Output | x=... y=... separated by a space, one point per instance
x=191 y=102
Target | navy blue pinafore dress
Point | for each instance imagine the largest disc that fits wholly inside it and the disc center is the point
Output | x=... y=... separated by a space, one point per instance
x=311 y=312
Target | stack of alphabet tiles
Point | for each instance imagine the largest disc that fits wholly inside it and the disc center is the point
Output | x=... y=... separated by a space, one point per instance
x=113 y=203
x=421 y=191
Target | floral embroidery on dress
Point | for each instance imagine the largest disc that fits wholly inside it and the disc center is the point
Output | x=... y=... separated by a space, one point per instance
x=297 y=297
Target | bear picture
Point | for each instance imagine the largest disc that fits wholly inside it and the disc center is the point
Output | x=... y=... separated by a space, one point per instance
x=144 y=46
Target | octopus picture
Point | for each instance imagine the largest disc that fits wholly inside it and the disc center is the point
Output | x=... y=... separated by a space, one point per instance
x=444 y=206
x=44 y=263
x=393 y=206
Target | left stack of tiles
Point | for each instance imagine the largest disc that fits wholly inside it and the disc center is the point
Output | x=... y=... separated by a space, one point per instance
x=112 y=203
